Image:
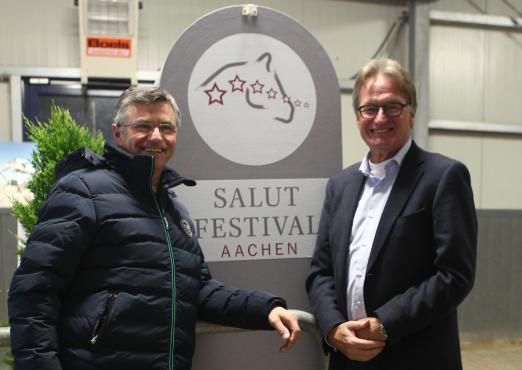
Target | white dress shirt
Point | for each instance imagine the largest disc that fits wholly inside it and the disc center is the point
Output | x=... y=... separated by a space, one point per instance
x=380 y=178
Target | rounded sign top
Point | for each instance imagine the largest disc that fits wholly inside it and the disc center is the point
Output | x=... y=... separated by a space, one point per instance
x=258 y=96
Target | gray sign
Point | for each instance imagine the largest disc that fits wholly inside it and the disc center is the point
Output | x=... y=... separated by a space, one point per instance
x=259 y=99
x=261 y=133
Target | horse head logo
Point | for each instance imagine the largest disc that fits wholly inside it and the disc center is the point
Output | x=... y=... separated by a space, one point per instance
x=259 y=84
x=252 y=99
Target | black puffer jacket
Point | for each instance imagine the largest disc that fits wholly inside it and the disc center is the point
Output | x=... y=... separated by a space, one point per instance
x=113 y=276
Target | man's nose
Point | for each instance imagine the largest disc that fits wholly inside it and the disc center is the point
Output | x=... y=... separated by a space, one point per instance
x=381 y=115
x=155 y=133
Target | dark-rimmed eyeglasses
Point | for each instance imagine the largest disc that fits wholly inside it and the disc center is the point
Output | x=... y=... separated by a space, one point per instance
x=148 y=128
x=390 y=110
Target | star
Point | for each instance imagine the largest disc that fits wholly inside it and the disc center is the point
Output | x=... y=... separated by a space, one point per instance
x=297 y=103
x=257 y=86
x=237 y=84
x=286 y=99
x=306 y=105
x=271 y=93
x=215 y=94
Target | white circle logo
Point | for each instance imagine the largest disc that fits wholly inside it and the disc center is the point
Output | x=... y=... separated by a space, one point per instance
x=252 y=99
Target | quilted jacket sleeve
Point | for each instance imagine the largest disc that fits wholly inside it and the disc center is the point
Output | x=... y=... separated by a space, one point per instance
x=231 y=306
x=63 y=231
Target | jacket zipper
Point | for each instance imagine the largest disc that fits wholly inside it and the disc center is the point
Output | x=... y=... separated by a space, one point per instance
x=165 y=225
x=102 y=319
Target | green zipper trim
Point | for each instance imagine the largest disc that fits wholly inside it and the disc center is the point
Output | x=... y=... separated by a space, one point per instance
x=172 y=271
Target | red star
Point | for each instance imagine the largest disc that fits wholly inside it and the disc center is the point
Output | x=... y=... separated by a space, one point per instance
x=271 y=93
x=257 y=86
x=213 y=94
x=286 y=99
x=237 y=84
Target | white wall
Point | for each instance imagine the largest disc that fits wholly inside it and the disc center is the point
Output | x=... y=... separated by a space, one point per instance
x=39 y=33
x=5 y=116
x=349 y=31
x=36 y=33
x=475 y=74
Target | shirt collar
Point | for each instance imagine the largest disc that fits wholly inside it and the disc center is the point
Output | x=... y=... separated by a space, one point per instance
x=397 y=158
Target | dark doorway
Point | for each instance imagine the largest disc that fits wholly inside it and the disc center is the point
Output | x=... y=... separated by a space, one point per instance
x=92 y=107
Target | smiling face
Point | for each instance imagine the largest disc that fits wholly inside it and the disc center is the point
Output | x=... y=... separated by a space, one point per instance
x=154 y=144
x=384 y=135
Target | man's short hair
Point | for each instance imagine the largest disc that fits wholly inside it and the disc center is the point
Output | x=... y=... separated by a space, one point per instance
x=392 y=69
x=144 y=95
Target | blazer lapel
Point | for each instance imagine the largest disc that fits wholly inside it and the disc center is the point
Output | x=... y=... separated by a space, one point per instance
x=409 y=174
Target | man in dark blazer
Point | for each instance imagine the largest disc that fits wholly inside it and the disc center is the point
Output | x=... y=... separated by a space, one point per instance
x=396 y=245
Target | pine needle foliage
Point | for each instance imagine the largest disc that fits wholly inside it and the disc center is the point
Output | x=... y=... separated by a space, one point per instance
x=54 y=139
x=6 y=358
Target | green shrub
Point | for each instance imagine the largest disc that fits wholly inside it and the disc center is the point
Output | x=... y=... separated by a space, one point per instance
x=54 y=140
x=6 y=358
x=5 y=354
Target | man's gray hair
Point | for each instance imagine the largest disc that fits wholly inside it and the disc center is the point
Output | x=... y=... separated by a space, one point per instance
x=144 y=95
x=392 y=69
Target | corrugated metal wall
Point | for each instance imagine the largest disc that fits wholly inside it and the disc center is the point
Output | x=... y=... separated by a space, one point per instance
x=492 y=310
x=8 y=257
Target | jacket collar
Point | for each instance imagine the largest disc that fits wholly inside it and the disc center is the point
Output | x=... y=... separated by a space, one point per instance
x=79 y=159
x=135 y=168
x=138 y=168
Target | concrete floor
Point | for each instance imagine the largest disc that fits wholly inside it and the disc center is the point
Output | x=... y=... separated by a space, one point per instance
x=497 y=355
x=492 y=355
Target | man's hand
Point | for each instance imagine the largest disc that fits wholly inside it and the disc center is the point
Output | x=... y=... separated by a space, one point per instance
x=286 y=325
x=345 y=338
x=372 y=331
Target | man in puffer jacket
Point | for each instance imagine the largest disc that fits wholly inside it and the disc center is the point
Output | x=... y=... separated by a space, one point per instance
x=113 y=276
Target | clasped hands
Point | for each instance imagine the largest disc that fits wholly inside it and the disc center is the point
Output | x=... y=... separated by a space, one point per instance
x=360 y=340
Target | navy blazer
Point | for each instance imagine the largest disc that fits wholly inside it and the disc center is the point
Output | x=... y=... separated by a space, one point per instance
x=421 y=266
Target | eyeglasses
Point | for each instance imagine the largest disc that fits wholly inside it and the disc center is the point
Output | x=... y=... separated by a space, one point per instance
x=391 y=110
x=148 y=128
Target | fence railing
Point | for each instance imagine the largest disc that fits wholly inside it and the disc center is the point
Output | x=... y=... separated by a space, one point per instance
x=4 y=337
x=306 y=322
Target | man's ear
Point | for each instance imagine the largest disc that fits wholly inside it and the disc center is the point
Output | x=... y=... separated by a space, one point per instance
x=116 y=132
